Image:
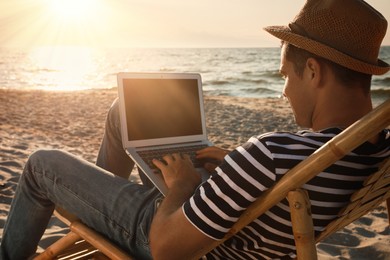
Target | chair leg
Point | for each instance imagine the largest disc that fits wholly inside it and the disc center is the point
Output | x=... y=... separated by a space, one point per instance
x=388 y=209
x=91 y=242
x=302 y=224
x=98 y=241
x=55 y=249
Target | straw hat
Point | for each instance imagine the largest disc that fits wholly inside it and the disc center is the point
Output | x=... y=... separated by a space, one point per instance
x=347 y=32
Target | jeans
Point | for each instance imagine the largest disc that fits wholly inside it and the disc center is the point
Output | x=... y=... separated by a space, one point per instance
x=120 y=210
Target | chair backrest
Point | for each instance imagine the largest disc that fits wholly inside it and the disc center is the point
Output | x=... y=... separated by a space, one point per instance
x=359 y=132
x=375 y=190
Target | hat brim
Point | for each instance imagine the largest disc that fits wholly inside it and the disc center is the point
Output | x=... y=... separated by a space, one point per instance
x=284 y=33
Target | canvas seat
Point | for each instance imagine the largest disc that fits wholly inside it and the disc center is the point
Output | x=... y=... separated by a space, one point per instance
x=376 y=189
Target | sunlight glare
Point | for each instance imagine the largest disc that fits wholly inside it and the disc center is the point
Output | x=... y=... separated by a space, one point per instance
x=64 y=68
x=73 y=11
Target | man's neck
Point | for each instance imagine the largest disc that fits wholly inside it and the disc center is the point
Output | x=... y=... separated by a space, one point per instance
x=340 y=109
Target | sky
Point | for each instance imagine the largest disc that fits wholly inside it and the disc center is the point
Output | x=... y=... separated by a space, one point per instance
x=149 y=23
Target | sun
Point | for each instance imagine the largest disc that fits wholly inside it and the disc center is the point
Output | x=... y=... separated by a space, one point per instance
x=71 y=22
x=73 y=11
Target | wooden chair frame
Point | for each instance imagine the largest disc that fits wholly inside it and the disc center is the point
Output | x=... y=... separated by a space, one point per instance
x=362 y=201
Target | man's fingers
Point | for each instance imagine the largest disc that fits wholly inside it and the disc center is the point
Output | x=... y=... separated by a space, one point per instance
x=159 y=164
x=168 y=158
x=177 y=156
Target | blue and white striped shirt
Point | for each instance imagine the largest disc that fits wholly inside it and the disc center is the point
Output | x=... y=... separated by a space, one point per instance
x=254 y=167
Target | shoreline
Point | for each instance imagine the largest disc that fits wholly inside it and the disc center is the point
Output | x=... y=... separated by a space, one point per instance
x=74 y=121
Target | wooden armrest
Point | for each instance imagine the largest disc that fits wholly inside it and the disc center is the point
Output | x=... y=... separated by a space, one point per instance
x=388 y=209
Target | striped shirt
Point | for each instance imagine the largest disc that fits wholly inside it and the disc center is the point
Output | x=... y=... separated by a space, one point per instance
x=254 y=167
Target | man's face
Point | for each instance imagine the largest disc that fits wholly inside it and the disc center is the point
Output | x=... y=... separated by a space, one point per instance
x=297 y=91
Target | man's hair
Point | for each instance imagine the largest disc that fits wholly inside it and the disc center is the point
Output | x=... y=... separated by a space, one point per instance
x=344 y=75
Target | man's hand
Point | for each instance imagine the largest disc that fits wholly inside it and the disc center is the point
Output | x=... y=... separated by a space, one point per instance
x=213 y=153
x=178 y=171
x=172 y=236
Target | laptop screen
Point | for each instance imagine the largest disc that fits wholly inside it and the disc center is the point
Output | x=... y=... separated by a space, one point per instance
x=161 y=108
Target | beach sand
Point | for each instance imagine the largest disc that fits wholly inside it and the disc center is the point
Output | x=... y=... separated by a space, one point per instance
x=74 y=121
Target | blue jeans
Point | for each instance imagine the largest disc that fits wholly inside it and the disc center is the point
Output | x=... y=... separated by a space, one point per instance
x=121 y=210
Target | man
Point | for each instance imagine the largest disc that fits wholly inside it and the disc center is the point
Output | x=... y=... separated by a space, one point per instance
x=327 y=59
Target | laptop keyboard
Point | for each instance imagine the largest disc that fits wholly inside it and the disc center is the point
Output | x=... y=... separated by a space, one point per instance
x=149 y=155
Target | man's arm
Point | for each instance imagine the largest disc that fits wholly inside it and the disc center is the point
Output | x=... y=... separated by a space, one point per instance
x=172 y=236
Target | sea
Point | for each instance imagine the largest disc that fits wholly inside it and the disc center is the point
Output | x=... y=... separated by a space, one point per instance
x=240 y=72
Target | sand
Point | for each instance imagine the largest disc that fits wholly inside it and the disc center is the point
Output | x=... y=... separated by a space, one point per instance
x=74 y=121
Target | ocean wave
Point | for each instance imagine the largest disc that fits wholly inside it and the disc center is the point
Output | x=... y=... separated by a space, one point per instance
x=381 y=91
x=218 y=93
x=247 y=73
x=236 y=81
x=381 y=81
x=165 y=69
x=274 y=74
x=259 y=91
x=216 y=82
x=40 y=70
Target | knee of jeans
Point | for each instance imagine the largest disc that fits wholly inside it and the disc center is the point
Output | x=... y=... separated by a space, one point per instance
x=44 y=156
x=113 y=113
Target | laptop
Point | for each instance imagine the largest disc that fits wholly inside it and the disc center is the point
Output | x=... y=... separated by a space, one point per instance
x=161 y=111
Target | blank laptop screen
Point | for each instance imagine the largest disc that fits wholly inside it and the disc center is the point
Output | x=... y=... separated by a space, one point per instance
x=161 y=108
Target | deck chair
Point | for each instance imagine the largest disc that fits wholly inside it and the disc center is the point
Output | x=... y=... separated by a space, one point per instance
x=376 y=190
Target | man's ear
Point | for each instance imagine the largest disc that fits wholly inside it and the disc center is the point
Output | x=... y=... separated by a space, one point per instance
x=314 y=71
